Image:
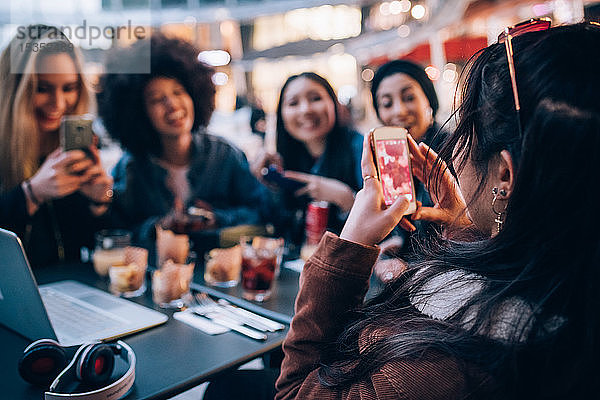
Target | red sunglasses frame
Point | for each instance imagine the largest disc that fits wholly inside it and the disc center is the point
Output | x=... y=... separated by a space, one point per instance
x=532 y=25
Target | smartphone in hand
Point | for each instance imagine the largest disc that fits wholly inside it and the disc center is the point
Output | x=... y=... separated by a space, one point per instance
x=76 y=132
x=273 y=176
x=390 y=152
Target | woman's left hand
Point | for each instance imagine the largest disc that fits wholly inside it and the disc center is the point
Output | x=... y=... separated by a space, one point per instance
x=450 y=207
x=324 y=189
x=370 y=221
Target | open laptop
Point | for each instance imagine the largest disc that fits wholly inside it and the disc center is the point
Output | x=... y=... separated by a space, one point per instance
x=67 y=311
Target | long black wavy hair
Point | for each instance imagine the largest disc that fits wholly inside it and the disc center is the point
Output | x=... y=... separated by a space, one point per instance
x=121 y=102
x=543 y=268
x=336 y=162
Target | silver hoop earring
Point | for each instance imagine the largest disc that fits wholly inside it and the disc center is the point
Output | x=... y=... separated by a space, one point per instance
x=500 y=215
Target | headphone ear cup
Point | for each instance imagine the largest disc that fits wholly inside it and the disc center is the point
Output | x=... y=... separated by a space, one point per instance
x=95 y=365
x=42 y=362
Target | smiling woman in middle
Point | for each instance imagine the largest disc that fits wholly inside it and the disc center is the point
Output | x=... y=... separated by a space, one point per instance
x=171 y=162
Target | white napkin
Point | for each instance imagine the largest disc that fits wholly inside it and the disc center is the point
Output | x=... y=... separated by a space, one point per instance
x=294 y=265
x=199 y=322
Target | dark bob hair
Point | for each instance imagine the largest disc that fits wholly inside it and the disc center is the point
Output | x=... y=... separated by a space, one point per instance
x=121 y=102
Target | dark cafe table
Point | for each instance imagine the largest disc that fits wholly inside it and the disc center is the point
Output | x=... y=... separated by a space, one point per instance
x=171 y=358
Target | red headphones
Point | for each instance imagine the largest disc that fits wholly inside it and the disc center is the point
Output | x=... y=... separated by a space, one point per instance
x=47 y=363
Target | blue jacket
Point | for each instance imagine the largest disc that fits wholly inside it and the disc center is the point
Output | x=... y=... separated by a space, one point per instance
x=218 y=175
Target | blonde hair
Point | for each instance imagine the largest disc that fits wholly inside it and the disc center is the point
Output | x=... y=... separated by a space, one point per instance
x=19 y=133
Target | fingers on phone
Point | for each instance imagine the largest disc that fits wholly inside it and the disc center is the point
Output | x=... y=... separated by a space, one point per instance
x=85 y=166
x=63 y=158
x=413 y=146
x=416 y=215
x=94 y=175
x=76 y=155
x=399 y=206
x=298 y=176
x=431 y=157
x=56 y=153
x=407 y=225
x=367 y=163
x=93 y=153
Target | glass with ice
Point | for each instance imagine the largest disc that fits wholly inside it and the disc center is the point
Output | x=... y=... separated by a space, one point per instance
x=259 y=264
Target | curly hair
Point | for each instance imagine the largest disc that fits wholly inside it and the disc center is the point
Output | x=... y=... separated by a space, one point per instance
x=121 y=100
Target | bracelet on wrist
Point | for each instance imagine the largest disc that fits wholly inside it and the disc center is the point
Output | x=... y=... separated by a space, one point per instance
x=32 y=196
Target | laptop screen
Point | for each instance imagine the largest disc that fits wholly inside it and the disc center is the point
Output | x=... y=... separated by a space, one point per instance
x=67 y=311
x=21 y=306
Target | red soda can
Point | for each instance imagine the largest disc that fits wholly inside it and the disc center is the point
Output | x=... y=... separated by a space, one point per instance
x=316 y=221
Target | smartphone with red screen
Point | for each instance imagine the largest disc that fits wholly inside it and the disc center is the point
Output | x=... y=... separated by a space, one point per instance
x=391 y=154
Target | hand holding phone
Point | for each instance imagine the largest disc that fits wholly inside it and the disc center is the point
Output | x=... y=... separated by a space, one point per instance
x=76 y=132
x=392 y=160
x=368 y=222
x=54 y=178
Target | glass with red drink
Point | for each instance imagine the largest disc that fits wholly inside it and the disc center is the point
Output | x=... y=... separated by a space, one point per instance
x=259 y=262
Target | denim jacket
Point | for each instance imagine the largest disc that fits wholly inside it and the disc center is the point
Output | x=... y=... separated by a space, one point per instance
x=218 y=175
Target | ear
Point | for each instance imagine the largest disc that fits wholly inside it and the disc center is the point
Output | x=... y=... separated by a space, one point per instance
x=506 y=173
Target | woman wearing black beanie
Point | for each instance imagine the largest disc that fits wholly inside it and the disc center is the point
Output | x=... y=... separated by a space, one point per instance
x=403 y=95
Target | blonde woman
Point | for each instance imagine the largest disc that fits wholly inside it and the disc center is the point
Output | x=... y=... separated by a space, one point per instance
x=54 y=200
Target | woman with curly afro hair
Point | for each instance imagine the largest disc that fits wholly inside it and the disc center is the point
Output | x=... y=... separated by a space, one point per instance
x=170 y=161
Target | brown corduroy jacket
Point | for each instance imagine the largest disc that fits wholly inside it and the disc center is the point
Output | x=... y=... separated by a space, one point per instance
x=334 y=281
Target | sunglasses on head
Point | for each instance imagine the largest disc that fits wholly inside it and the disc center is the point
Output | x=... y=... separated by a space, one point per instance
x=532 y=25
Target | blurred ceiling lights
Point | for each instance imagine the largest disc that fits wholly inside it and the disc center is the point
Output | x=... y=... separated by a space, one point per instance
x=215 y=58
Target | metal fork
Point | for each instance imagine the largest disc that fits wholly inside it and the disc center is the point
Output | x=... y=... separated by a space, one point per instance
x=232 y=313
x=240 y=315
x=270 y=325
x=208 y=308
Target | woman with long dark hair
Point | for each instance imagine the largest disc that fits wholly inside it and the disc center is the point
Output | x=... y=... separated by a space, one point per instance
x=316 y=149
x=507 y=309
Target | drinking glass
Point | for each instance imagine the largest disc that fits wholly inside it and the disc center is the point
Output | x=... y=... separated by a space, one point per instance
x=222 y=267
x=110 y=249
x=171 y=282
x=259 y=264
x=128 y=279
